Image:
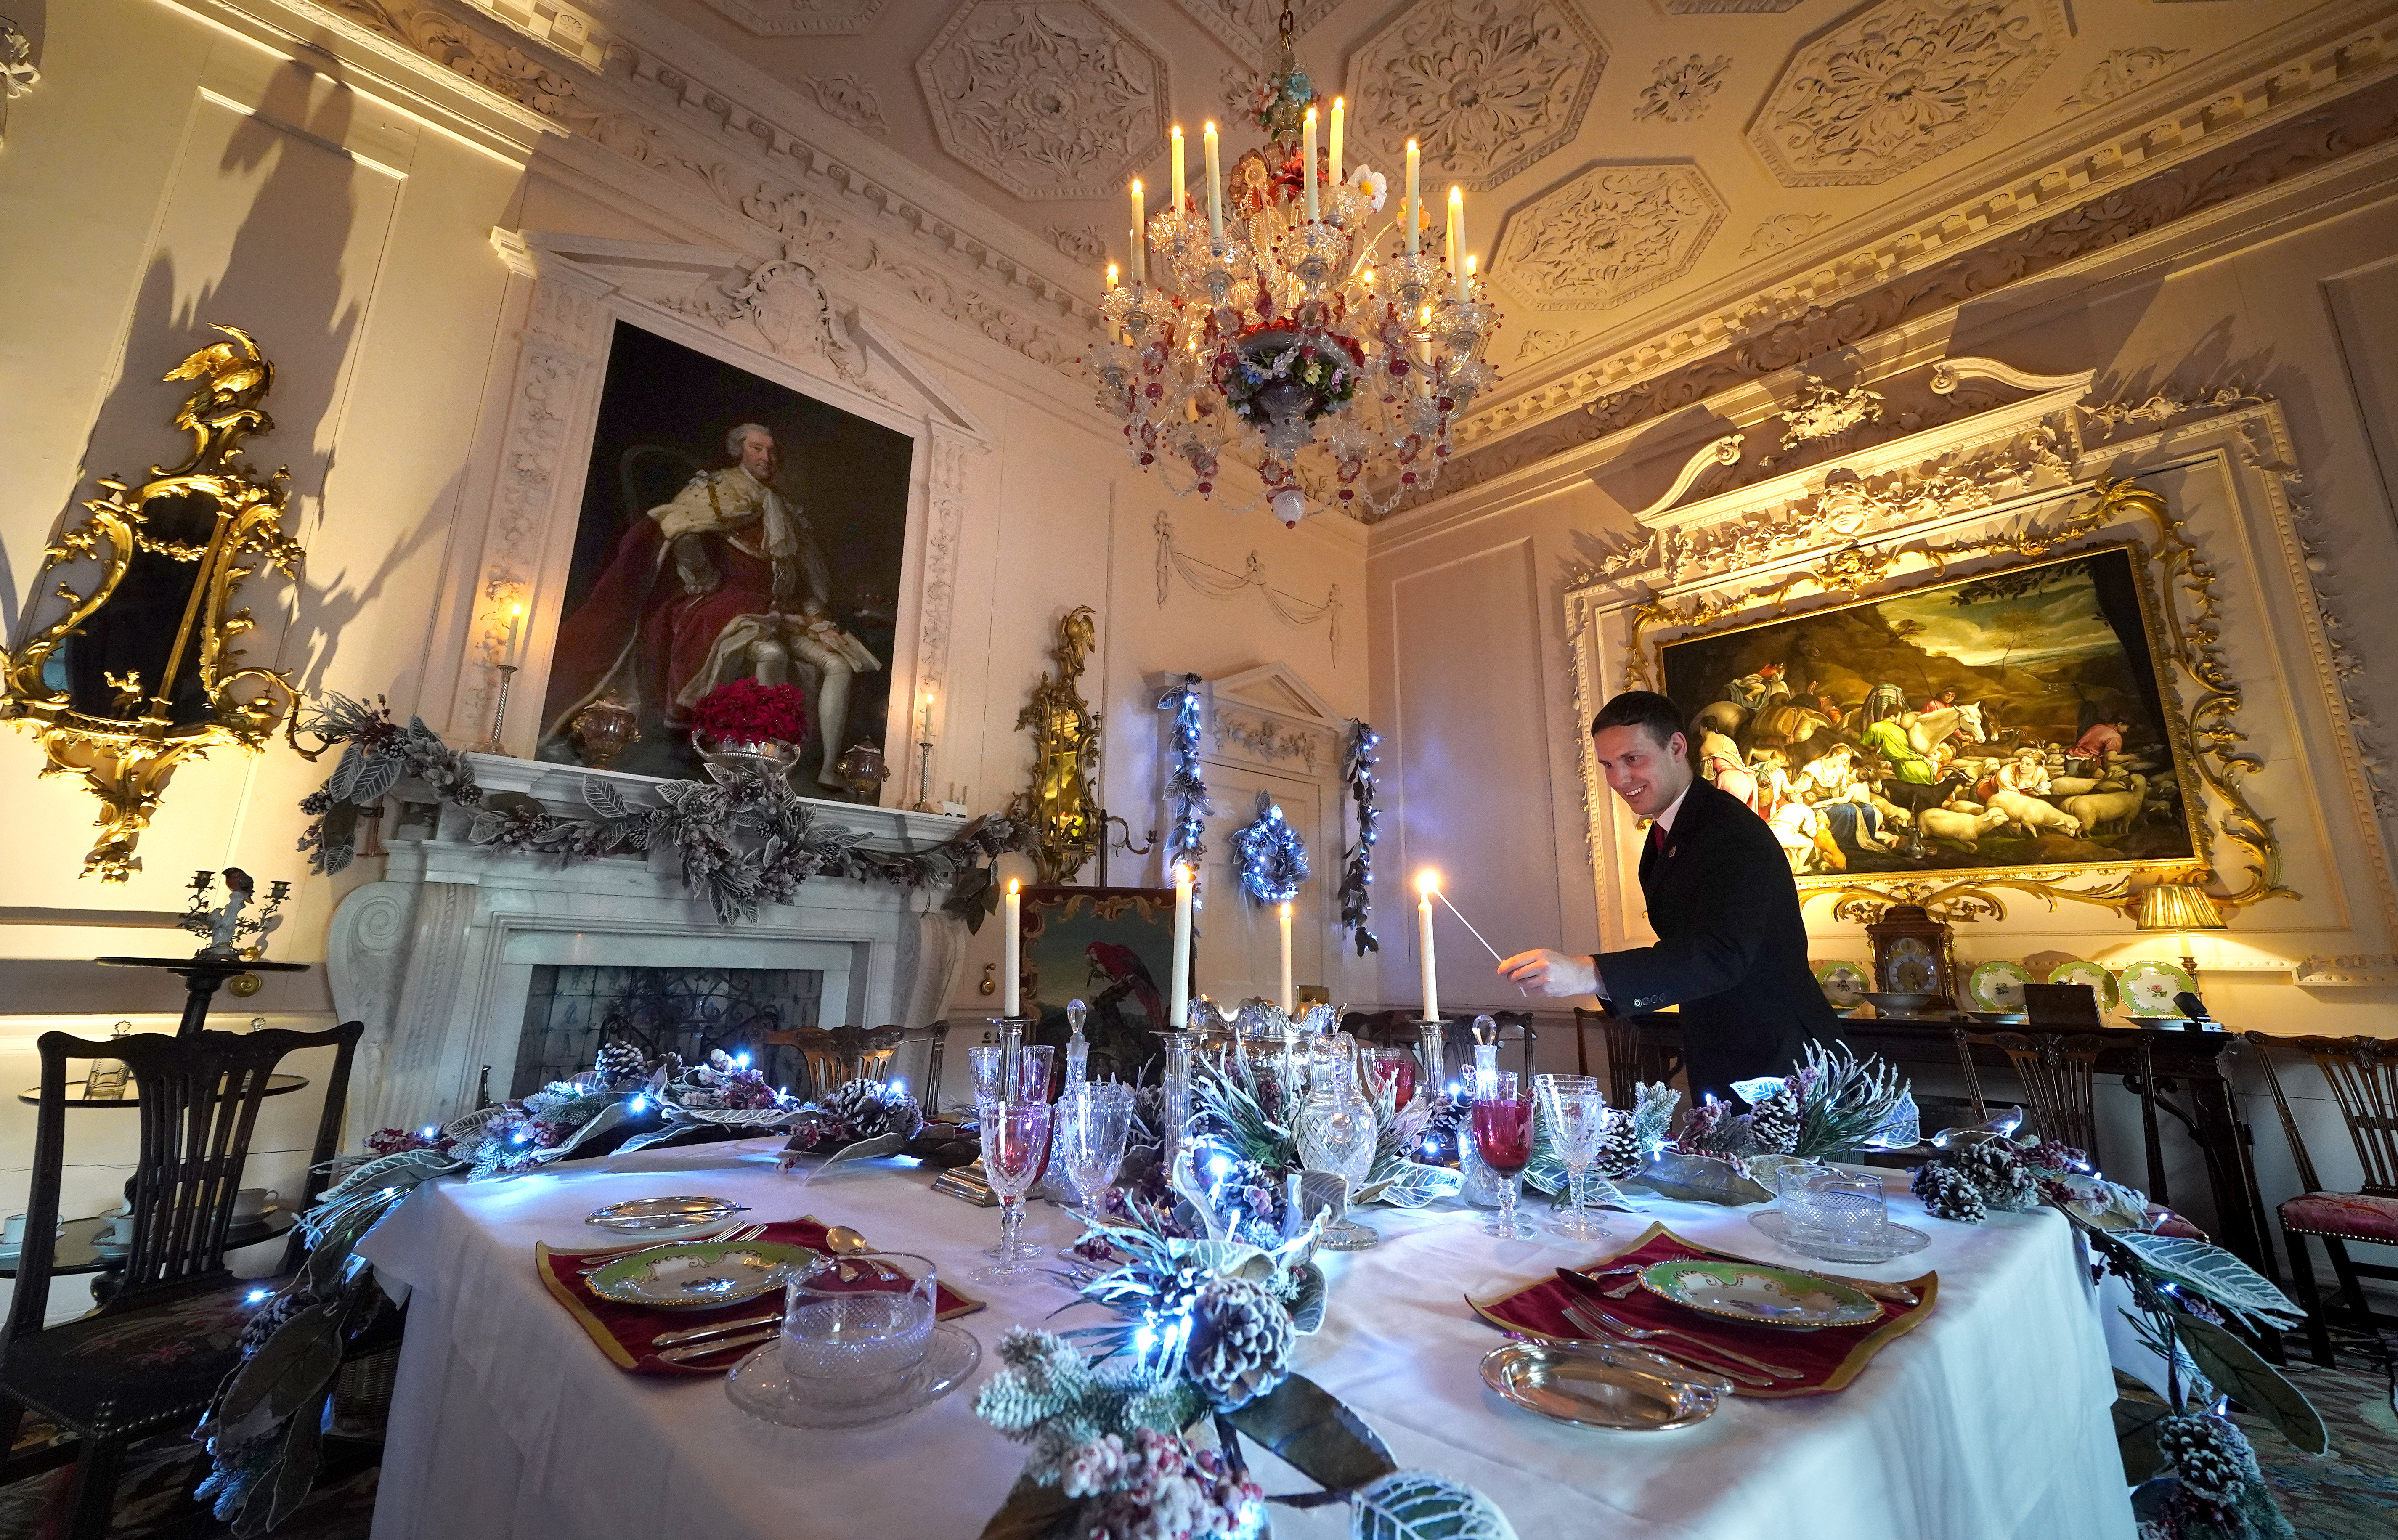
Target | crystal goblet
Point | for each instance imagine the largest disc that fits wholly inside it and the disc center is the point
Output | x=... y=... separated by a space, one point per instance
x=1014 y=1140
x=1093 y=1122
x=1503 y=1136
x=1576 y=1114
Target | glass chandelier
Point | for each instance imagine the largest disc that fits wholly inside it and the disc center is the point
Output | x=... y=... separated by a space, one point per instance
x=1270 y=321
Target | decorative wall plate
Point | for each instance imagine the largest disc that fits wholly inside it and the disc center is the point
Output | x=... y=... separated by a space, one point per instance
x=2092 y=974
x=2149 y=988
x=699 y=1275
x=1593 y=1386
x=1999 y=985
x=1759 y=1294
x=1844 y=983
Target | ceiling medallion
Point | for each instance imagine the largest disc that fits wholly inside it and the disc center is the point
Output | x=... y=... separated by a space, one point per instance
x=1282 y=330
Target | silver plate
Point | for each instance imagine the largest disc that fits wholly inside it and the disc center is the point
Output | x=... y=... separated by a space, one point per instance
x=664 y=1214
x=1895 y=1240
x=762 y=1386
x=1590 y=1386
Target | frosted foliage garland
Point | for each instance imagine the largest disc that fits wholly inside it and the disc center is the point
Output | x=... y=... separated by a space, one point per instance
x=1269 y=855
x=1186 y=789
x=1357 y=863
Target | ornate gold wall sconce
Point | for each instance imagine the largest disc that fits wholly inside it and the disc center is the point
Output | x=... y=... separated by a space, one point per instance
x=138 y=674
x=1065 y=752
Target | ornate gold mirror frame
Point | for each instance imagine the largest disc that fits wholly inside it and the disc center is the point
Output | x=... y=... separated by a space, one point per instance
x=150 y=695
x=2203 y=702
x=1065 y=753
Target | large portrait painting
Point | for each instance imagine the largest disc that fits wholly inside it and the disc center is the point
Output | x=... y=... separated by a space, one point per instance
x=2011 y=719
x=731 y=529
x=1112 y=948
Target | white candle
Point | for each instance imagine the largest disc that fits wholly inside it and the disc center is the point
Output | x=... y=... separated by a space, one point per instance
x=516 y=623
x=1454 y=244
x=1289 y=1001
x=1339 y=124
x=1465 y=282
x=1014 y=967
x=1140 y=263
x=1177 y=999
x=1307 y=161
x=1177 y=168
x=1426 y=885
x=1412 y=214
x=1214 y=186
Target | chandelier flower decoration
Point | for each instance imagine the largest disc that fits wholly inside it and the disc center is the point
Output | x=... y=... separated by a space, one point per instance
x=1270 y=321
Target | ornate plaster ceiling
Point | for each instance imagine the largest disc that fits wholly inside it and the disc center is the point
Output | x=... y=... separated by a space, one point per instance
x=1648 y=176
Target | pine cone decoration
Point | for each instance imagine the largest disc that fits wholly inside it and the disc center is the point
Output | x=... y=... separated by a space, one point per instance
x=1775 y=1123
x=1949 y=1192
x=1240 y=1342
x=2212 y=1457
x=1619 y=1149
x=1999 y=1175
x=619 y=1063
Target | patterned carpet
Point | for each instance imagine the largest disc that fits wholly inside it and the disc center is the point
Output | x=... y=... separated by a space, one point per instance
x=2348 y=1494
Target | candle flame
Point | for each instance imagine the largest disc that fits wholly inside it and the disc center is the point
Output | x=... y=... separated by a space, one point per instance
x=1310 y=114
x=1112 y=274
x=1286 y=911
x=1210 y=129
x=1411 y=146
x=1340 y=103
x=1469 y=266
x=1135 y=184
x=1428 y=883
x=1177 y=131
x=1457 y=195
x=516 y=611
x=1015 y=886
x=1181 y=874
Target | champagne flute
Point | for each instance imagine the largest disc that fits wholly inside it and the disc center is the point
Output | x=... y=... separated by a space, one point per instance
x=1503 y=1136
x=1576 y=1114
x=1014 y=1140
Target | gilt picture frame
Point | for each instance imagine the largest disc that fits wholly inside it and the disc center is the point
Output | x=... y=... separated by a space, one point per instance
x=2017 y=721
x=1112 y=948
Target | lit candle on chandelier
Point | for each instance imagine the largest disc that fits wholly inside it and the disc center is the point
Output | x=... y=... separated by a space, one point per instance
x=1453 y=245
x=1413 y=213
x=1177 y=168
x=1427 y=884
x=1112 y=280
x=1214 y=186
x=1307 y=161
x=1012 y=969
x=1340 y=125
x=1140 y=263
x=1289 y=1001
x=1465 y=282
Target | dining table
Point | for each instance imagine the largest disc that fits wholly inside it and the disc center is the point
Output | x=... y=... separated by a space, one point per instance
x=1990 y=1420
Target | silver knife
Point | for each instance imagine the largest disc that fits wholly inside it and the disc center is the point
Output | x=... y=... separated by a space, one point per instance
x=1591 y=1329
x=710 y=1350
x=701 y=1333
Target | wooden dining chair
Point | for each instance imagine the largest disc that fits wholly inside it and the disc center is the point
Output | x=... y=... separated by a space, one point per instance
x=151 y=1354
x=2363 y=1073
x=2059 y=1071
x=1634 y=1055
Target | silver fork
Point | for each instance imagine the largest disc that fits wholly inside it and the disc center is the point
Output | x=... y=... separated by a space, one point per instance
x=738 y=1233
x=1642 y=1333
x=1685 y=1357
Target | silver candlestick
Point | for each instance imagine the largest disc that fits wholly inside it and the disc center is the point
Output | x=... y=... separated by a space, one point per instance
x=499 y=713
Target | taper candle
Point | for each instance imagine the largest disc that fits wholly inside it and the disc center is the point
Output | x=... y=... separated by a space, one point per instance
x=1214 y=186
x=1140 y=263
x=1178 y=1001
x=1289 y=1003
x=1413 y=213
x=1456 y=241
x=1177 y=168
x=516 y=628
x=1426 y=885
x=1307 y=160
x=1340 y=128
x=1013 y=940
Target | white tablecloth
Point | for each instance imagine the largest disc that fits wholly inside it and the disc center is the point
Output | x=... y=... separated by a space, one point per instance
x=1989 y=1421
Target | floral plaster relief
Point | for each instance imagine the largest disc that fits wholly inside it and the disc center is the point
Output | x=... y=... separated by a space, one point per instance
x=1896 y=84
x=1486 y=87
x=1608 y=234
x=800 y=18
x=1049 y=101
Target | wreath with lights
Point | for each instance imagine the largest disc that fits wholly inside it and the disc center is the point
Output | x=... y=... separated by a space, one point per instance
x=1268 y=855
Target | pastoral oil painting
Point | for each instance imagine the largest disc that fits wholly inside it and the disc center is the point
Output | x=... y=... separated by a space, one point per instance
x=2012 y=719
x=734 y=534
x=1112 y=948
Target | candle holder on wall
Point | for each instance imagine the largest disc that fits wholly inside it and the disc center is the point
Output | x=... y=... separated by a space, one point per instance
x=499 y=713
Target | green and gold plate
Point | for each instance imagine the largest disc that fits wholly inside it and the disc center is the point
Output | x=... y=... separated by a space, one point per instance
x=699 y=1275
x=1758 y=1295
x=2092 y=974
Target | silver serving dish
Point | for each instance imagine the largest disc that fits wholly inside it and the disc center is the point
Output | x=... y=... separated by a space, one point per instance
x=664 y=1213
x=1594 y=1386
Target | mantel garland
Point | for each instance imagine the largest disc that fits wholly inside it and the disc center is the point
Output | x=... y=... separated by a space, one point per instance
x=745 y=838
x=1186 y=788
x=1357 y=863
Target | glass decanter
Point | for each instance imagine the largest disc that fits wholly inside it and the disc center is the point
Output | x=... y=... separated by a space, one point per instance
x=1338 y=1134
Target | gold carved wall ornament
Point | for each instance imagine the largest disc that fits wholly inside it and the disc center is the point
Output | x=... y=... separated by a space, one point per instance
x=1065 y=755
x=138 y=672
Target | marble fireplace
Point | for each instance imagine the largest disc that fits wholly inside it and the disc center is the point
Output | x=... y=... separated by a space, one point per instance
x=442 y=956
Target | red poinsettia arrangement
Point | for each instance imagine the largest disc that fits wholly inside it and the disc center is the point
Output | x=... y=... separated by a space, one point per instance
x=746 y=712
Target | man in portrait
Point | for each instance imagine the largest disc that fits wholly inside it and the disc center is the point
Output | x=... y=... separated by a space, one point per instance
x=725 y=581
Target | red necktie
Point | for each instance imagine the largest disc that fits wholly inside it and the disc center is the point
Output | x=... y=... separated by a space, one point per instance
x=1657 y=838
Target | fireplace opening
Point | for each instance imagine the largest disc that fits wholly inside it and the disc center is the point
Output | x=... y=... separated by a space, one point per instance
x=572 y=1008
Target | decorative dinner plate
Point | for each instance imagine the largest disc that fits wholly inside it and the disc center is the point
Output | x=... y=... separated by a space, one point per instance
x=1844 y=983
x=2091 y=973
x=1999 y=985
x=2149 y=988
x=1757 y=1294
x=664 y=1213
x=764 y=1387
x=699 y=1274
x=1895 y=1240
x=1593 y=1386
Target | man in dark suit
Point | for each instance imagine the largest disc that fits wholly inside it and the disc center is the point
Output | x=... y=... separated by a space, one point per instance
x=1732 y=950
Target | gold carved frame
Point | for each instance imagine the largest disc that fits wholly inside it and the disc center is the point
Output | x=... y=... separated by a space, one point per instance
x=2200 y=698
x=127 y=755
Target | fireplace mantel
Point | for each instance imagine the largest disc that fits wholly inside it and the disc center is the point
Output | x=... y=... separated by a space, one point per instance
x=436 y=955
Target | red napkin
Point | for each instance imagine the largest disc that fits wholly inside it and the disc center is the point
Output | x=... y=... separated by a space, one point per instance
x=1827 y=1358
x=624 y=1332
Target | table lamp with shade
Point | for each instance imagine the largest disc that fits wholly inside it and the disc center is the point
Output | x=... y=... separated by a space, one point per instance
x=2180 y=907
